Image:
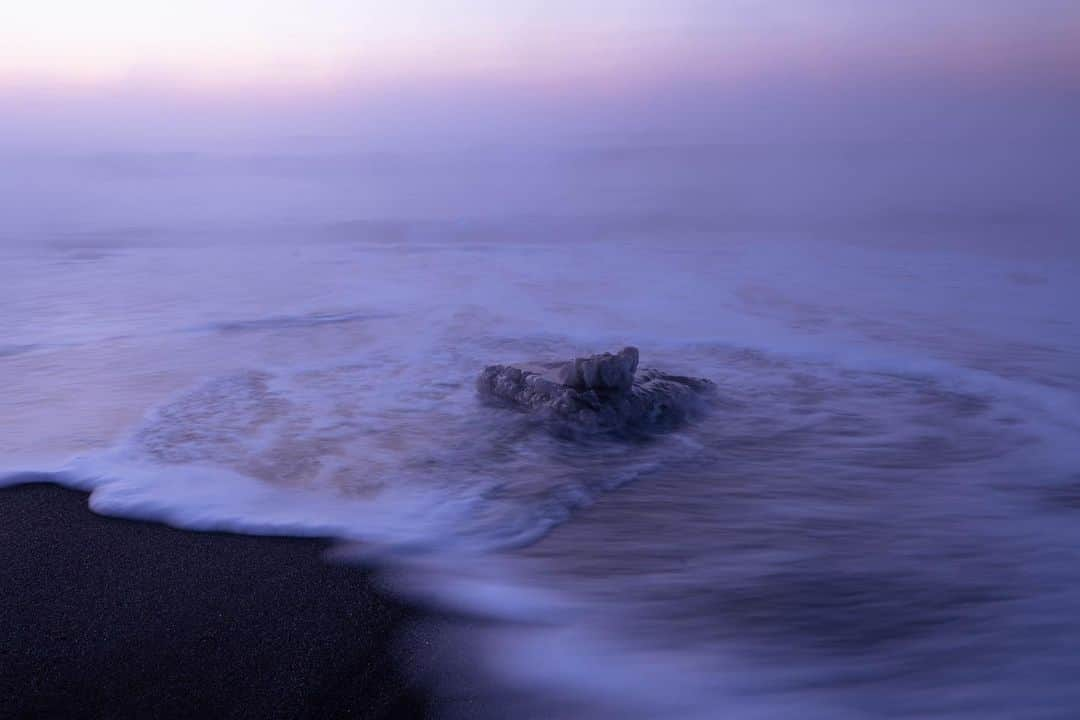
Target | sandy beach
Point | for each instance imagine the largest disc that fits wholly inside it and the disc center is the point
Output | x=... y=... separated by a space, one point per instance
x=101 y=617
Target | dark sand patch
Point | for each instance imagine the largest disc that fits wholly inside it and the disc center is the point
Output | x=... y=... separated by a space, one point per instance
x=106 y=618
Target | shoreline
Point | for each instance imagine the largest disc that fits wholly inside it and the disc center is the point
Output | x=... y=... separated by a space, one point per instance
x=106 y=617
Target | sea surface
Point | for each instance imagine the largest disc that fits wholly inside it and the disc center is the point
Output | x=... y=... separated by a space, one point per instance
x=878 y=518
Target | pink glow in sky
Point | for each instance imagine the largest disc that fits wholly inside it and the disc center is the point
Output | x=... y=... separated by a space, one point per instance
x=206 y=44
x=141 y=71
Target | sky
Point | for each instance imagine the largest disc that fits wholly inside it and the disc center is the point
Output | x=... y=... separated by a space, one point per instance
x=208 y=43
x=149 y=61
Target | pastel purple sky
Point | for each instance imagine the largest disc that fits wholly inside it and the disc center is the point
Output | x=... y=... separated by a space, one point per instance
x=155 y=56
x=207 y=44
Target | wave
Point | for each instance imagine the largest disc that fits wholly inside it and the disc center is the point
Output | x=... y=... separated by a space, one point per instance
x=858 y=423
x=11 y=350
x=285 y=322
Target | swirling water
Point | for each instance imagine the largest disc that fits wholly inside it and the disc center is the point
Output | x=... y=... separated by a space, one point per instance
x=876 y=519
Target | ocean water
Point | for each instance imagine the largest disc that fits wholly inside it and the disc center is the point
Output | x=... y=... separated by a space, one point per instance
x=879 y=516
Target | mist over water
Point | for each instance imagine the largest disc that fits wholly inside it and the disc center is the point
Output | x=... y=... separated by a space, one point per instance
x=876 y=518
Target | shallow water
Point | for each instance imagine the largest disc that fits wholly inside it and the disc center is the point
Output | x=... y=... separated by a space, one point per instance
x=876 y=519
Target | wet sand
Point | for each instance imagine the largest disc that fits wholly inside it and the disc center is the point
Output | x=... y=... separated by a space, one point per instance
x=109 y=618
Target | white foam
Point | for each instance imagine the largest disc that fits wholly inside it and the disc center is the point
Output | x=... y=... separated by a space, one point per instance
x=369 y=431
x=215 y=499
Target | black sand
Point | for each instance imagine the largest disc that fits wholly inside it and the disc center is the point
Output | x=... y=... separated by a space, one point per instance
x=106 y=618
